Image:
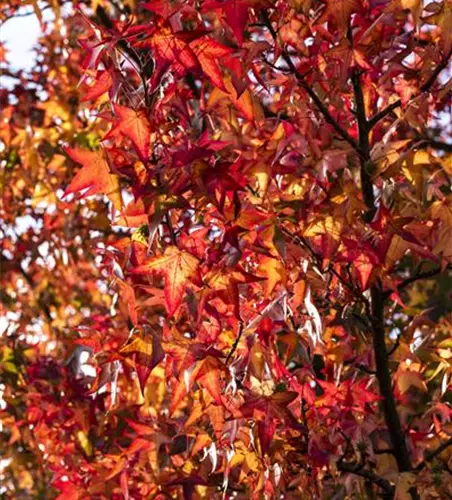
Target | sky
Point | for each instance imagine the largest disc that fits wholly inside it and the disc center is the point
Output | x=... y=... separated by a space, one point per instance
x=19 y=36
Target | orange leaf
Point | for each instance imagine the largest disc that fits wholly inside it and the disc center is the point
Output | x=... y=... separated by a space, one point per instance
x=94 y=176
x=98 y=87
x=209 y=377
x=274 y=271
x=177 y=267
x=147 y=354
x=135 y=126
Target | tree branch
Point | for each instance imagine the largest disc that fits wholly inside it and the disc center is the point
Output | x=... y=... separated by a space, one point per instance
x=376 y=308
x=300 y=78
x=370 y=476
x=416 y=277
x=395 y=346
x=441 y=146
x=424 y=88
x=433 y=454
x=236 y=343
x=384 y=380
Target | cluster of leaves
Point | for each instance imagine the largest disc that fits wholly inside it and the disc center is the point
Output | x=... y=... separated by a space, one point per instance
x=243 y=289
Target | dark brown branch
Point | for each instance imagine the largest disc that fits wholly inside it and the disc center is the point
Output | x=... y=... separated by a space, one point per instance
x=385 y=382
x=441 y=146
x=300 y=78
x=395 y=346
x=375 y=308
x=433 y=454
x=236 y=343
x=416 y=277
x=364 y=369
x=363 y=128
x=370 y=476
x=424 y=88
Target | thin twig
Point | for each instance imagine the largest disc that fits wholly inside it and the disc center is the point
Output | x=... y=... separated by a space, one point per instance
x=424 y=88
x=318 y=262
x=253 y=323
x=300 y=78
x=379 y=481
x=236 y=343
x=434 y=144
x=395 y=346
x=416 y=277
x=433 y=454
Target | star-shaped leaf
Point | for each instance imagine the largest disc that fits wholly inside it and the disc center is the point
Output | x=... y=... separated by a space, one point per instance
x=178 y=268
x=94 y=177
x=133 y=124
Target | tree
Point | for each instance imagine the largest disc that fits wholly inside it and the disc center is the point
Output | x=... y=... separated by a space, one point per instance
x=226 y=252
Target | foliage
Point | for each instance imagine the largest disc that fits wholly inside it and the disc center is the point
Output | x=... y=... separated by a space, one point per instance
x=226 y=233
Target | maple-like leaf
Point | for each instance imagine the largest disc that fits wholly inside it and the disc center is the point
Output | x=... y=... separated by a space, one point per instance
x=246 y=103
x=339 y=12
x=147 y=353
x=209 y=52
x=173 y=48
x=94 y=177
x=236 y=13
x=164 y=8
x=274 y=271
x=178 y=268
x=99 y=86
x=135 y=125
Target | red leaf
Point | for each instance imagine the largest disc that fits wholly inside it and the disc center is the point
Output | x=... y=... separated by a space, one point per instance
x=178 y=268
x=134 y=125
x=209 y=52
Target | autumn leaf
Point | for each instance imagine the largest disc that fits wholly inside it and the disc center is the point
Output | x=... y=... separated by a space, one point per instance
x=275 y=273
x=147 y=353
x=98 y=86
x=209 y=52
x=339 y=12
x=246 y=103
x=94 y=177
x=164 y=8
x=178 y=268
x=135 y=125
x=268 y=312
x=236 y=13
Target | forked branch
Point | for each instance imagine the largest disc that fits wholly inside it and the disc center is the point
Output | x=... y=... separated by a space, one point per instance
x=424 y=88
x=301 y=80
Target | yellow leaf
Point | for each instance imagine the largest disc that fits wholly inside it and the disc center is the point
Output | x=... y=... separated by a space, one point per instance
x=405 y=482
x=84 y=442
x=43 y=195
x=329 y=225
x=275 y=273
x=410 y=379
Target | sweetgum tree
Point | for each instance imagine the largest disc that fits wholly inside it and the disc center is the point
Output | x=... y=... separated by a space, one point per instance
x=226 y=242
